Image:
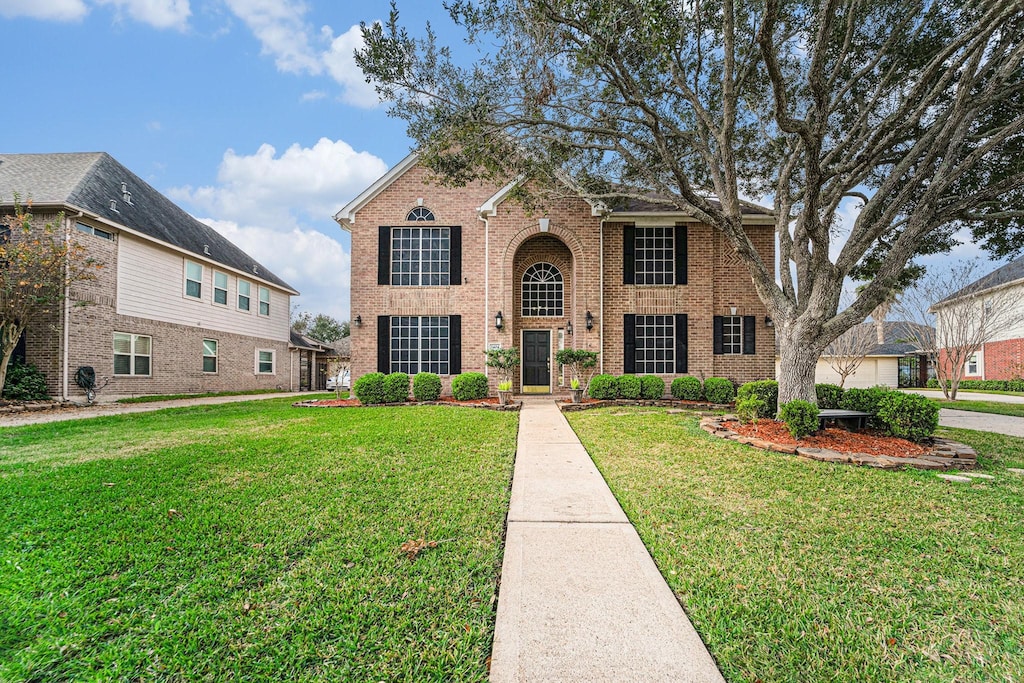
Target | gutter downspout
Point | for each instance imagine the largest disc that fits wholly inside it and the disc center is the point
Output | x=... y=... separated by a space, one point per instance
x=600 y=307
x=65 y=355
x=487 y=286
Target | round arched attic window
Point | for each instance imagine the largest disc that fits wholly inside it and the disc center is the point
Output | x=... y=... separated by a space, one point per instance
x=420 y=214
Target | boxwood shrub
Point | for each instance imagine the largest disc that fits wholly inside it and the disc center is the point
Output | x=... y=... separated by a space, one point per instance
x=908 y=416
x=719 y=390
x=830 y=396
x=426 y=386
x=396 y=387
x=604 y=387
x=801 y=418
x=687 y=389
x=629 y=387
x=767 y=390
x=864 y=400
x=652 y=387
x=370 y=388
x=469 y=386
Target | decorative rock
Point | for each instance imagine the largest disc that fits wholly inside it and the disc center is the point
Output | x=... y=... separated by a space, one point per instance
x=782 y=448
x=978 y=475
x=955 y=477
x=1015 y=470
x=923 y=463
x=822 y=454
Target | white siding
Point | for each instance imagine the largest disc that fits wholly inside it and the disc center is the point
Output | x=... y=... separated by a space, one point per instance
x=151 y=284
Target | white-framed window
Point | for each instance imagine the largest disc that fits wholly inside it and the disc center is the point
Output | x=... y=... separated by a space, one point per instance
x=420 y=256
x=971 y=367
x=732 y=334
x=420 y=214
x=264 y=301
x=90 y=230
x=133 y=355
x=220 y=288
x=193 y=280
x=209 y=355
x=244 y=295
x=655 y=344
x=420 y=344
x=655 y=255
x=264 y=361
x=542 y=291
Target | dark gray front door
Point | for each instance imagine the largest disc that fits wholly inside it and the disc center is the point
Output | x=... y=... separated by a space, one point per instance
x=536 y=353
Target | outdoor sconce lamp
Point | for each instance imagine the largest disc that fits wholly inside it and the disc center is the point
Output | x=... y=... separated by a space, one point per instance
x=499 y=321
x=359 y=321
x=768 y=322
x=590 y=321
x=568 y=327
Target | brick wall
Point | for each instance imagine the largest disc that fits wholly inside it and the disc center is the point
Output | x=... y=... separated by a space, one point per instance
x=1004 y=359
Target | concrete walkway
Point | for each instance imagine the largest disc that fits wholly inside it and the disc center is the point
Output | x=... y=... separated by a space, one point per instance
x=580 y=597
x=983 y=422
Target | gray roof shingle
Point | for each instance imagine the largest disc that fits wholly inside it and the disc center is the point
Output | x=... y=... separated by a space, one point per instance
x=1011 y=272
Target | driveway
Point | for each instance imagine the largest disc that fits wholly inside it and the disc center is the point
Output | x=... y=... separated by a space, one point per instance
x=983 y=422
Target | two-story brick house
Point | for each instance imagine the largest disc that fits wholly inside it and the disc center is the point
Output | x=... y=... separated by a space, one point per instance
x=439 y=274
x=176 y=308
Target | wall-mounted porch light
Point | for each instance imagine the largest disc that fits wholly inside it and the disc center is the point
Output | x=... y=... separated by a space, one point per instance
x=359 y=321
x=768 y=322
x=568 y=327
x=499 y=320
x=590 y=321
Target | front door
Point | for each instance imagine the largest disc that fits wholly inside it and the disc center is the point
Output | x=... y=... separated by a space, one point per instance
x=536 y=361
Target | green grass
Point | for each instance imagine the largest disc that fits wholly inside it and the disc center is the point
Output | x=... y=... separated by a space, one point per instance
x=171 y=397
x=994 y=407
x=794 y=570
x=252 y=541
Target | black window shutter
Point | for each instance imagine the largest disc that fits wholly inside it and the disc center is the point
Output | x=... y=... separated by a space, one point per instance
x=629 y=346
x=384 y=256
x=681 y=347
x=454 y=344
x=384 y=344
x=749 y=325
x=719 y=346
x=628 y=255
x=680 y=254
x=455 y=254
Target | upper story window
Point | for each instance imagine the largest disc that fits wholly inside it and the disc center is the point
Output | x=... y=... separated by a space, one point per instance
x=264 y=301
x=420 y=256
x=132 y=354
x=82 y=227
x=220 y=288
x=193 y=280
x=654 y=255
x=244 y=294
x=542 y=290
x=420 y=213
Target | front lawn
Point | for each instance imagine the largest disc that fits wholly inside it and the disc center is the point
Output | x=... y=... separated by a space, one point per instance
x=253 y=541
x=793 y=570
x=993 y=407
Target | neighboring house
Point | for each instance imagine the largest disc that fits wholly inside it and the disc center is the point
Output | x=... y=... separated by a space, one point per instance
x=894 y=361
x=1001 y=356
x=177 y=308
x=439 y=274
x=316 y=360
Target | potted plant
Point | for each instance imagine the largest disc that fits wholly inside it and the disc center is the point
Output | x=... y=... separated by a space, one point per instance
x=505 y=361
x=581 y=365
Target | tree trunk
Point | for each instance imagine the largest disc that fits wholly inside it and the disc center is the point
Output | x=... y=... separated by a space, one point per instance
x=798 y=360
x=9 y=336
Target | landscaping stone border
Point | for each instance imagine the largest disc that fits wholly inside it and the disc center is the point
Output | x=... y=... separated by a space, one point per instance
x=36 y=406
x=945 y=454
x=569 y=407
x=515 y=406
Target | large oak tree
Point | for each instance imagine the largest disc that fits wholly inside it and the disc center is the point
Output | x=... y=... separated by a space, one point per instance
x=913 y=111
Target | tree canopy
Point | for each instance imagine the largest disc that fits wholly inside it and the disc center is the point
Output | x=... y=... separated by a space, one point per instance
x=909 y=115
x=321 y=326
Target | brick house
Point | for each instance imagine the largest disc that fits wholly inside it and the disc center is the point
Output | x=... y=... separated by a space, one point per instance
x=176 y=308
x=439 y=274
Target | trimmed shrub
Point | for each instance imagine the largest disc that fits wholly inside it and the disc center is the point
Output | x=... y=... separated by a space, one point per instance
x=396 y=387
x=932 y=383
x=470 y=386
x=865 y=400
x=369 y=389
x=687 y=389
x=604 y=387
x=766 y=390
x=426 y=386
x=801 y=418
x=984 y=384
x=830 y=396
x=908 y=416
x=652 y=387
x=24 y=382
x=629 y=387
x=749 y=408
x=719 y=390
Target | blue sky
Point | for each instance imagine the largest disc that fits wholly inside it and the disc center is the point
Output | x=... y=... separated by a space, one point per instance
x=250 y=114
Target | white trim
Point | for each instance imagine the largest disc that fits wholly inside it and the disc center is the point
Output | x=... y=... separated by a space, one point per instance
x=226 y=289
x=187 y=279
x=346 y=217
x=273 y=363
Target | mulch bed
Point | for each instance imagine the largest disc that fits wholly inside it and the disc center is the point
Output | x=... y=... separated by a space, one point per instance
x=832 y=438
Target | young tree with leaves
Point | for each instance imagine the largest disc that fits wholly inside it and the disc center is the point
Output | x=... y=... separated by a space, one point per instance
x=911 y=112
x=321 y=326
x=38 y=266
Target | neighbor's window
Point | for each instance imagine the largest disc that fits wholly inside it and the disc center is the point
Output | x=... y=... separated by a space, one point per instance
x=420 y=344
x=82 y=227
x=732 y=334
x=132 y=354
x=193 y=280
x=209 y=355
x=265 y=362
x=264 y=301
x=655 y=344
x=244 y=292
x=420 y=256
x=220 y=288
x=972 y=364
x=655 y=255
x=542 y=290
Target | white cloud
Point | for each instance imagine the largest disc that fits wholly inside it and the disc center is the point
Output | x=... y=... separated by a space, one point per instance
x=50 y=10
x=342 y=67
x=310 y=261
x=265 y=189
x=313 y=95
x=281 y=28
x=156 y=13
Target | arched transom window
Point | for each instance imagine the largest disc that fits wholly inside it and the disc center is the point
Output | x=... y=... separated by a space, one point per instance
x=419 y=214
x=542 y=290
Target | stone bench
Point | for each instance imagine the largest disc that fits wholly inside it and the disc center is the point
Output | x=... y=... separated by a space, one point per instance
x=851 y=419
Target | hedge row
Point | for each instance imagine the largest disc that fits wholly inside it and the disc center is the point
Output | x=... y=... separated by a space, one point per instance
x=652 y=387
x=984 y=384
